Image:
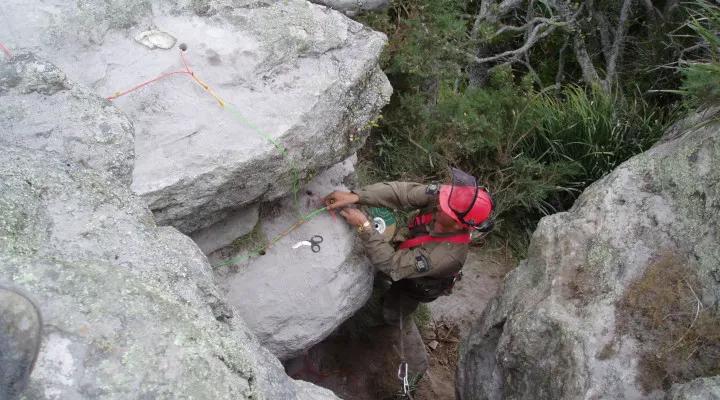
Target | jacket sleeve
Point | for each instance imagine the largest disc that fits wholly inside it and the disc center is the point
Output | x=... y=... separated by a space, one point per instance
x=396 y=195
x=407 y=263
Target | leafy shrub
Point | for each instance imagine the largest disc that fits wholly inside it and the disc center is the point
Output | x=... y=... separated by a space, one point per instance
x=701 y=84
x=701 y=79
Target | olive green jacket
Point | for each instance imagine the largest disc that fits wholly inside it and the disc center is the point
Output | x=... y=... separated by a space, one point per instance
x=438 y=260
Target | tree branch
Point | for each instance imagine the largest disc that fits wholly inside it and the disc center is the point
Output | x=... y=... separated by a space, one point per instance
x=532 y=39
x=590 y=74
x=491 y=14
x=604 y=28
x=508 y=5
x=481 y=16
x=619 y=42
x=652 y=11
x=526 y=61
x=529 y=24
x=561 y=65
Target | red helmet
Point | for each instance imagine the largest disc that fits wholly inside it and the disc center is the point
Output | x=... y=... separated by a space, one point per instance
x=465 y=201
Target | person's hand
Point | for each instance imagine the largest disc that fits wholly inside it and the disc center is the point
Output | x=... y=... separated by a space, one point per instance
x=339 y=199
x=354 y=217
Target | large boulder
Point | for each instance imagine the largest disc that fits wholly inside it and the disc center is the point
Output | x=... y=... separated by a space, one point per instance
x=130 y=309
x=618 y=297
x=282 y=88
x=40 y=108
x=292 y=298
x=698 y=389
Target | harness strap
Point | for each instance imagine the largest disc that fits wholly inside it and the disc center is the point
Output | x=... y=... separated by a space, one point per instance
x=461 y=238
x=422 y=219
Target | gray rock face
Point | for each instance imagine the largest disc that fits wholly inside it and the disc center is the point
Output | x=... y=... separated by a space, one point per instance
x=354 y=7
x=294 y=298
x=130 y=309
x=294 y=78
x=41 y=109
x=223 y=233
x=618 y=297
x=698 y=389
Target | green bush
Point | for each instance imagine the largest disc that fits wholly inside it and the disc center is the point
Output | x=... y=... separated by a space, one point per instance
x=701 y=84
x=701 y=79
x=595 y=130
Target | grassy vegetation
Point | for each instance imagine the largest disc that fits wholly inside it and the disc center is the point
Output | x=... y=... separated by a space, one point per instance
x=679 y=336
x=422 y=316
x=701 y=83
x=253 y=241
x=535 y=144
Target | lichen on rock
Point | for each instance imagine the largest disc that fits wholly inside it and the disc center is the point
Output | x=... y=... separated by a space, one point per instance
x=40 y=108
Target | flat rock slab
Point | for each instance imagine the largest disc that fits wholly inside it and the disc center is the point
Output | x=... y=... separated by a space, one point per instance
x=294 y=78
x=294 y=298
x=40 y=108
x=130 y=309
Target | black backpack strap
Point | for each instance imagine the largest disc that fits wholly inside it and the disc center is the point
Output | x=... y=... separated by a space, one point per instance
x=427 y=289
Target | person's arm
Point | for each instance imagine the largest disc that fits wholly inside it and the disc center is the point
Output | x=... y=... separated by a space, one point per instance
x=394 y=195
x=397 y=195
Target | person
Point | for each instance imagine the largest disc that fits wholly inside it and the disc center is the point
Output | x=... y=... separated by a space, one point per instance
x=426 y=264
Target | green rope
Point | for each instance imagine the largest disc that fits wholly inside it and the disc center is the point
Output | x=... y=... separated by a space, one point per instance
x=260 y=250
x=294 y=170
x=243 y=120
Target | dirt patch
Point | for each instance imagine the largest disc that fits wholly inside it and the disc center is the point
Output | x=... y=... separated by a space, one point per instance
x=365 y=367
x=442 y=342
x=679 y=336
x=353 y=367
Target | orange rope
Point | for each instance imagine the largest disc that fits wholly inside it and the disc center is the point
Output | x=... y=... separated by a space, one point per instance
x=6 y=50
x=200 y=82
x=187 y=71
x=137 y=87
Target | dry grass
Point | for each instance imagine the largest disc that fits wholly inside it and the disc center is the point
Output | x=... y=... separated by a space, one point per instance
x=678 y=334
